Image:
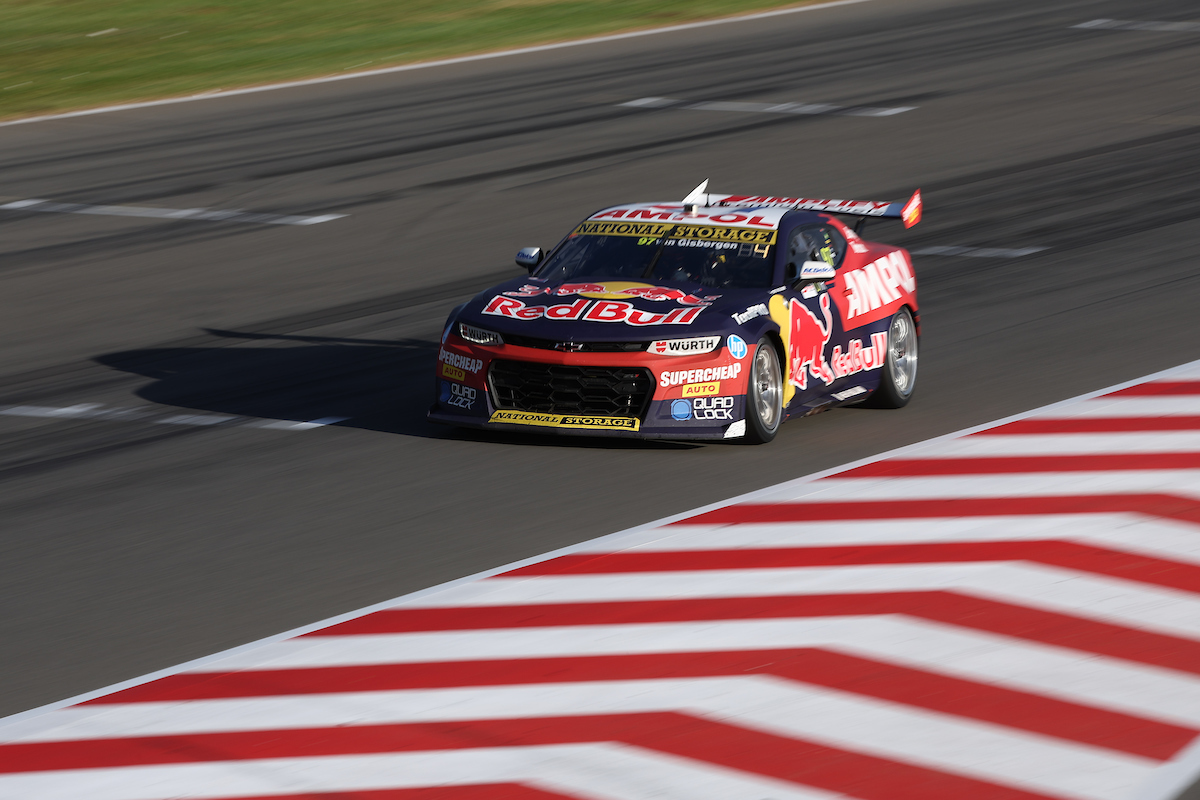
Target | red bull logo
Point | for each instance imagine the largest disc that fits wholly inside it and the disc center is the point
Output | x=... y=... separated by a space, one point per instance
x=807 y=341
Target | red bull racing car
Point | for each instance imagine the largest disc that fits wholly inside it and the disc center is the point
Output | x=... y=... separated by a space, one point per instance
x=718 y=317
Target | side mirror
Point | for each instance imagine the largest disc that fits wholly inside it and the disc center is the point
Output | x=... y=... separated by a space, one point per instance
x=529 y=257
x=816 y=271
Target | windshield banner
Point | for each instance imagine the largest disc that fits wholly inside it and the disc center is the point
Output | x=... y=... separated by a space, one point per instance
x=657 y=230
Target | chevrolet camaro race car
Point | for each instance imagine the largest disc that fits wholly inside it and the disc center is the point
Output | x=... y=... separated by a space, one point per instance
x=715 y=318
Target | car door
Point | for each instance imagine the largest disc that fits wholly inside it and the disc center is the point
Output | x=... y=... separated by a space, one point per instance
x=815 y=326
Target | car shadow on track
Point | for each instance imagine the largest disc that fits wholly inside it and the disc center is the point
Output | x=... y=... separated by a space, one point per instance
x=378 y=385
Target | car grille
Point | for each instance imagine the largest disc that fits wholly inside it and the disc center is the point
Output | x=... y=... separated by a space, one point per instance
x=576 y=347
x=561 y=389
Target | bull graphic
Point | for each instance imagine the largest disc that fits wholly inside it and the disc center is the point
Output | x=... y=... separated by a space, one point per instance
x=806 y=344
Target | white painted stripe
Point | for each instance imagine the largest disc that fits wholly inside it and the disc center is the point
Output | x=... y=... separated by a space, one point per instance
x=439 y=63
x=978 y=252
x=1030 y=585
x=194 y=419
x=836 y=719
x=1185 y=483
x=1136 y=25
x=1019 y=664
x=1125 y=407
x=768 y=108
x=208 y=214
x=1130 y=533
x=285 y=425
x=1117 y=443
x=97 y=411
x=594 y=771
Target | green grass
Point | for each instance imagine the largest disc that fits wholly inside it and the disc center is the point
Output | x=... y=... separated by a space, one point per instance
x=164 y=48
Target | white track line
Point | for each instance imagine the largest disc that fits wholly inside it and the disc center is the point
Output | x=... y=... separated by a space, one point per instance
x=1048 y=484
x=592 y=771
x=1136 y=25
x=1030 y=585
x=836 y=719
x=804 y=109
x=1062 y=444
x=439 y=63
x=204 y=214
x=977 y=252
x=96 y=411
x=1074 y=676
x=1130 y=533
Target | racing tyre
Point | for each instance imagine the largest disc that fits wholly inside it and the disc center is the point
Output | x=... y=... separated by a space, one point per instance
x=764 y=394
x=899 y=376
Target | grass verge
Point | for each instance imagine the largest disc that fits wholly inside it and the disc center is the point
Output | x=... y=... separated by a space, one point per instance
x=59 y=55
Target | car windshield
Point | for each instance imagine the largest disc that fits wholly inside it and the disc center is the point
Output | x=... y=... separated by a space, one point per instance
x=712 y=256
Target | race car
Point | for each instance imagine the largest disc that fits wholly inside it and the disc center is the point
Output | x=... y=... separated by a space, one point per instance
x=717 y=317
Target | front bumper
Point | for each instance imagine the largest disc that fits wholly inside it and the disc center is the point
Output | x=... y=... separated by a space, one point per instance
x=693 y=397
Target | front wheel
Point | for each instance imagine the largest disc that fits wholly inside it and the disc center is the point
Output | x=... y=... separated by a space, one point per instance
x=899 y=376
x=764 y=394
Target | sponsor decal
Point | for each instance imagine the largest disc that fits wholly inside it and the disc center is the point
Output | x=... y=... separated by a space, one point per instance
x=564 y=421
x=684 y=376
x=737 y=345
x=819 y=271
x=614 y=290
x=911 y=213
x=879 y=284
x=592 y=311
x=456 y=395
x=674 y=213
x=808 y=291
x=453 y=373
x=450 y=358
x=757 y=310
x=858 y=358
x=702 y=389
x=681 y=410
x=652 y=232
x=684 y=347
x=647 y=230
x=804 y=340
x=853 y=391
x=716 y=408
x=740 y=235
x=866 y=208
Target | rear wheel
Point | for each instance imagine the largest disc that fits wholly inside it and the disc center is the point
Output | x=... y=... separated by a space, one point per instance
x=764 y=394
x=899 y=376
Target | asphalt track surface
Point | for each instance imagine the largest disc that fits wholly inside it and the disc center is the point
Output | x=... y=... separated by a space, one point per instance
x=130 y=546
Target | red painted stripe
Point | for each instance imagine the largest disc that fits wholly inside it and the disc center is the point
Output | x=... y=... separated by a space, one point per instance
x=989 y=465
x=1069 y=555
x=1158 y=388
x=794 y=760
x=1154 y=505
x=912 y=687
x=476 y=791
x=1094 y=425
x=1062 y=630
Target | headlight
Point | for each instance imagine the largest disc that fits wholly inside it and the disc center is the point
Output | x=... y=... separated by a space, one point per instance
x=479 y=335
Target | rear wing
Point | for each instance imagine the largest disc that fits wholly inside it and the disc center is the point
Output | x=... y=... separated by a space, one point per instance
x=909 y=212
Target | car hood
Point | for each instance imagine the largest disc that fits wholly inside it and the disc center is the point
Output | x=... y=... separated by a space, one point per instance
x=603 y=310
